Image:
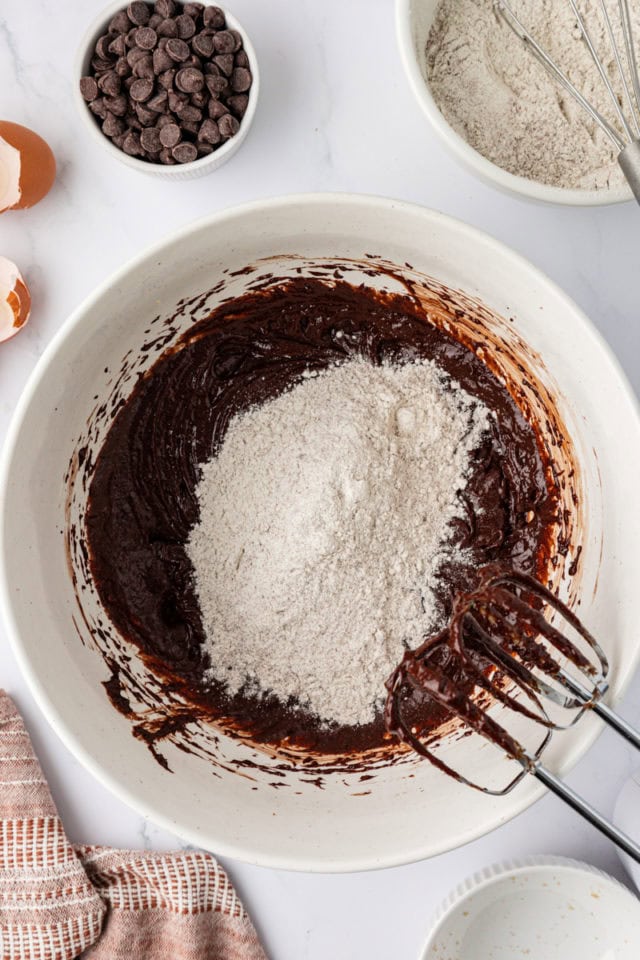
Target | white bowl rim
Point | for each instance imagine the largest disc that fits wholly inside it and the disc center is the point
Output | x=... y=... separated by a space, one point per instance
x=487 y=170
x=118 y=787
x=496 y=872
x=181 y=171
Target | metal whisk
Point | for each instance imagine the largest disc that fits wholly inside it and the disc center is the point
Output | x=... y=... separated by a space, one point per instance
x=500 y=651
x=626 y=137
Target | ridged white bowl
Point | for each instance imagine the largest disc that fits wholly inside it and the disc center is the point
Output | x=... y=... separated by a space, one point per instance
x=539 y=908
x=180 y=171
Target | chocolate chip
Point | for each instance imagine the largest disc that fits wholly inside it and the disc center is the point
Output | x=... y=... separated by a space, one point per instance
x=128 y=81
x=185 y=152
x=240 y=80
x=204 y=149
x=120 y=23
x=189 y=80
x=165 y=79
x=146 y=117
x=212 y=68
x=112 y=126
x=202 y=43
x=98 y=108
x=130 y=37
x=118 y=47
x=189 y=113
x=139 y=13
x=194 y=61
x=166 y=157
x=216 y=85
x=146 y=38
x=225 y=62
x=170 y=135
x=122 y=68
x=131 y=144
x=214 y=17
x=186 y=26
x=167 y=28
x=150 y=140
x=141 y=90
x=101 y=66
x=109 y=83
x=177 y=50
x=102 y=47
x=200 y=99
x=166 y=8
x=88 y=88
x=216 y=109
x=209 y=131
x=237 y=36
x=118 y=140
x=161 y=61
x=241 y=58
x=177 y=101
x=193 y=9
x=224 y=41
x=190 y=126
x=134 y=55
x=132 y=121
x=154 y=20
x=143 y=68
x=228 y=125
x=239 y=104
x=158 y=103
x=164 y=120
x=116 y=105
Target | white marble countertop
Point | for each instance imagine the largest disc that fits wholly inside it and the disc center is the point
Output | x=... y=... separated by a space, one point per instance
x=335 y=114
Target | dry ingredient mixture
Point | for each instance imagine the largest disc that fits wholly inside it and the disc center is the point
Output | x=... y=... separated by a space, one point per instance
x=320 y=537
x=502 y=101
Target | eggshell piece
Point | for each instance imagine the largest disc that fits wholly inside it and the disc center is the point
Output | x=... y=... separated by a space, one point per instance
x=15 y=300
x=27 y=167
x=9 y=176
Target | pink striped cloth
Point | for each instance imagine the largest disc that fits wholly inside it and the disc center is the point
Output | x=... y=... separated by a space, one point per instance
x=59 y=902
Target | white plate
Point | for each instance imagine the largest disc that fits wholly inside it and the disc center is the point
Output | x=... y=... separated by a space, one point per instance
x=543 y=908
x=348 y=825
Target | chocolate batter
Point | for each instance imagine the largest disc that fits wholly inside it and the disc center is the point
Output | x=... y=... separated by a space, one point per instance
x=142 y=501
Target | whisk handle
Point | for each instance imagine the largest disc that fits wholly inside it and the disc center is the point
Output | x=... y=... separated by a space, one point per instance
x=617 y=723
x=590 y=814
x=629 y=160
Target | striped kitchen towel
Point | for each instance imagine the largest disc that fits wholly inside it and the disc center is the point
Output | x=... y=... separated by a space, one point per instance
x=59 y=902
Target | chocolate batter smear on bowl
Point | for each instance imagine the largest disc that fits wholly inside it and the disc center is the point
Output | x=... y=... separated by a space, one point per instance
x=293 y=493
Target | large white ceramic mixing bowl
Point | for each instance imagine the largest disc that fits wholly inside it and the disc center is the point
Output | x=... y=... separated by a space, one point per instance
x=349 y=825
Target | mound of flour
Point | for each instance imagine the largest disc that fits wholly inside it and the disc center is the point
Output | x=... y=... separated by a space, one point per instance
x=323 y=520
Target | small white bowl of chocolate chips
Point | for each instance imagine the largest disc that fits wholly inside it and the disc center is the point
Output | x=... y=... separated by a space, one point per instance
x=168 y=88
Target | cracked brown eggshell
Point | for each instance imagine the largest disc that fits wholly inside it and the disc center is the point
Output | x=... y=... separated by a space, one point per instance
x=27 y=167
x=15 y=300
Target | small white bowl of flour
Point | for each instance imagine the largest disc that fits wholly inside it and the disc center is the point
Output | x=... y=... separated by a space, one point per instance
x=497 y=109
